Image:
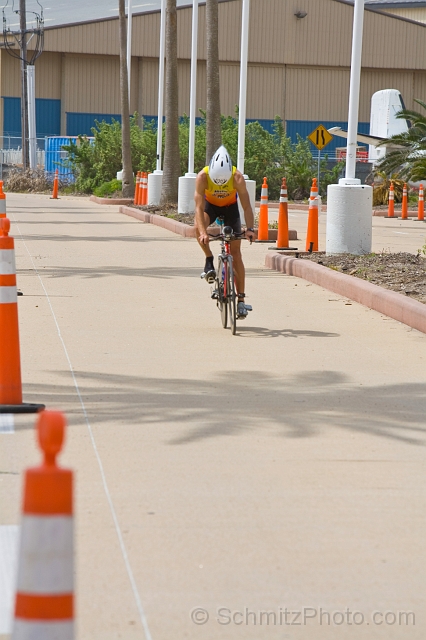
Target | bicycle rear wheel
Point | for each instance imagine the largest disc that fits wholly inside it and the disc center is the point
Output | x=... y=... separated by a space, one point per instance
x=231 y=296
x=221 y=301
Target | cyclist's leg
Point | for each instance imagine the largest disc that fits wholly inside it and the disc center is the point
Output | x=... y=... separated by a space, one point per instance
x=238 y=264
x=205 y=247
x=239 y=269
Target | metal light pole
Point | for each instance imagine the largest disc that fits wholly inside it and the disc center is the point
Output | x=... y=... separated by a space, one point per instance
x=251 y=184
x=349 y=204
x=15 y=43
x=354 y=87
x=155 y=180
x=186 y=202
x=24 y=85
x=193 y=98
x=129 y=40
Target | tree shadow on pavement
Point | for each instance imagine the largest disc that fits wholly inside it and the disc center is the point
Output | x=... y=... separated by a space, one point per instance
x=235 y=403
x=65 y=239
x=264 y=332
x=165 y=273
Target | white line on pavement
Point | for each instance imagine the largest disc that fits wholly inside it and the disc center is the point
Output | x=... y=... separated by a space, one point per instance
x=7 y=423
x=9 y=536
x=98 y=458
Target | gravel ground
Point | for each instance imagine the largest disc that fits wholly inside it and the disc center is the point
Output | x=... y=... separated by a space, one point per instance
x=401 y=272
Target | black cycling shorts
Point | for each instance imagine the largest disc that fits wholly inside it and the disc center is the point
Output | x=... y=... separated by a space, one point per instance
x=230 y=215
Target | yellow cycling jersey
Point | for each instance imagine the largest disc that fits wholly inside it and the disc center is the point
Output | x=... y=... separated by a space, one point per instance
x=221 y=195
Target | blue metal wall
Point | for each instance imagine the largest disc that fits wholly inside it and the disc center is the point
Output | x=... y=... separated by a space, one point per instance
x=54 y=155
x=82 y=123
x=48 y=117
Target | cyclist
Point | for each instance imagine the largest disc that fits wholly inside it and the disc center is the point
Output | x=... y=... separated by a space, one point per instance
x=216 y=190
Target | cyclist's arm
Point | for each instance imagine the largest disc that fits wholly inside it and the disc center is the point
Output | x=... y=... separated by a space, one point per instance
x=240 y=185
x=199 y=198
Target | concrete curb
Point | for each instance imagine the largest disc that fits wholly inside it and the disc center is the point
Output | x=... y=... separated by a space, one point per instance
x=384 y=214
x=392 y=304
x=111 y=200
x=181 y=228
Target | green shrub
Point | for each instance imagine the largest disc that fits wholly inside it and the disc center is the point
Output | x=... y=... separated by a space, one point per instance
x=108 y=188
x=95 y=162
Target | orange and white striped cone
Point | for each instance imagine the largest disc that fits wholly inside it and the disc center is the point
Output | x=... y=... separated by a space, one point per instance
x=421 y=205
x=391 y=204
x=282 y=236
x=312 y=230
x=44 y=605
x=404 y=208
x=263 y=227
x=145 y=189
x=55 y=186
x=140 y=193
x=2 y=201
x=135 y=197
x=10 y=358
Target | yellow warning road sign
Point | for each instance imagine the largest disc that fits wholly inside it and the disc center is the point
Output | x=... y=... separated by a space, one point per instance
x=320 y=137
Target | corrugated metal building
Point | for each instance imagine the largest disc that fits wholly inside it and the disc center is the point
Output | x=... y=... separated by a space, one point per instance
x=298 y=67
x=410 y=9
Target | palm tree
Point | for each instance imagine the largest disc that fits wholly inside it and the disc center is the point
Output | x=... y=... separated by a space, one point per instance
x=408 y=157
x=214 y=134
x=127 y=178
x=171 y=164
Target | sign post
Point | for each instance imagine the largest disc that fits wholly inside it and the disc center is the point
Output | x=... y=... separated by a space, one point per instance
x=320 y=138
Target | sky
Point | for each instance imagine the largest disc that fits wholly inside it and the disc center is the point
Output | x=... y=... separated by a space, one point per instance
x=58 y=12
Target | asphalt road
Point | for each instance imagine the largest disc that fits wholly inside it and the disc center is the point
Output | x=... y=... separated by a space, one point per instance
x=281 y=470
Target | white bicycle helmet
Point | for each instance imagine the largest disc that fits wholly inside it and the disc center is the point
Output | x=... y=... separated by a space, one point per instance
x=220 y=167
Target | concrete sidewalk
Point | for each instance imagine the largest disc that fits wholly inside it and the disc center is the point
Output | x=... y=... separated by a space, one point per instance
x=280 y=469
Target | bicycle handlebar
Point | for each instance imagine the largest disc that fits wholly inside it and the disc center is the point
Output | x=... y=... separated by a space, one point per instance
x=234 y=236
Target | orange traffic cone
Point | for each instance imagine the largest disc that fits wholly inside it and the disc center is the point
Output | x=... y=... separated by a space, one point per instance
x=391 y=205
x=135 y=198
x=44 y=605
x=262 y=232
x=2 y=201
x=55 y=186
x=282 y=236
x=145 y=189
x=140 y=194
x=312 y=231
x=421 y=205
x=404 y=209
x=10 y=360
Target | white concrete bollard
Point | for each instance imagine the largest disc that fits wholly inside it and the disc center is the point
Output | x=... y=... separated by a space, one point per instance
x=349 y=218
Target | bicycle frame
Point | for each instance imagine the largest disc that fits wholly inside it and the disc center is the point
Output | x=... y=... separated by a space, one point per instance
x=225 y=293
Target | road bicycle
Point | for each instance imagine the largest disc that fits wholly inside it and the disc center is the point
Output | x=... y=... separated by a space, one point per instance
x=224 y=285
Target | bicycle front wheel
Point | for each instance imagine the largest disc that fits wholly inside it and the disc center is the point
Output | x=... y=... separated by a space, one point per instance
x=232 y=298
x=221 y=285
